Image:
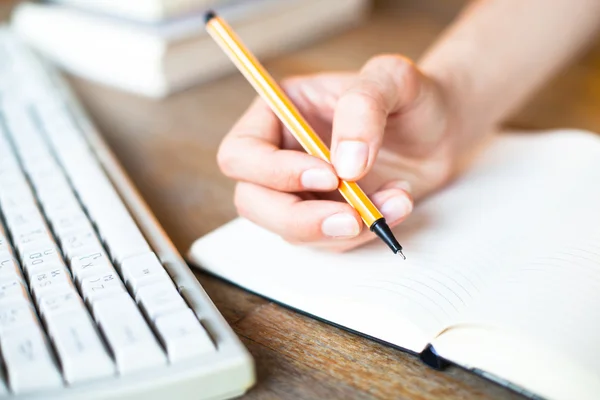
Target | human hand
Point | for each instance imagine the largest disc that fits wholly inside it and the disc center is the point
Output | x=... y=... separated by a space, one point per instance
x=391 y=128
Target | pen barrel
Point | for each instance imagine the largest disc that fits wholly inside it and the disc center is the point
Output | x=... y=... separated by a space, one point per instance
x=360 y=201
x=286 y=111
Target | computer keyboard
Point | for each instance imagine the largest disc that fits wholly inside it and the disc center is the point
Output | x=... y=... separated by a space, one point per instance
x=95 y=302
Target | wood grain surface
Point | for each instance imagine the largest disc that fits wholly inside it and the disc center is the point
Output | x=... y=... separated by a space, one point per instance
x=168 y=147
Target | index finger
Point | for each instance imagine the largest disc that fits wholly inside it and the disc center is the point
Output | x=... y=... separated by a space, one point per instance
x=251 y=153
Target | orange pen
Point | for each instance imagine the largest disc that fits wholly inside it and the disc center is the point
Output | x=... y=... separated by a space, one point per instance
x=289 y=115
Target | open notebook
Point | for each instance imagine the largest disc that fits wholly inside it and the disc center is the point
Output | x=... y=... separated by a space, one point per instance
x=502 y=275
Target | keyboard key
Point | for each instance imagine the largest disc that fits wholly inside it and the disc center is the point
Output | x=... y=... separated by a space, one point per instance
x=88 y=264
x=77 y=242
x=82 y=355
x=117 y=228
x=28 y=361
x=143 y=270
x=14 y=192
x=13 y=292
x=17 y=317
x=183 y=336
x=124 y=242
x=67 y=300
x=70 y=220
x=130 y=339
x=22 y=218
x=40 y=257
x=159 y=298
x=30 y=234
x=9 y=269
x=48 y=282
x=56 y=203
x=4 y=244
x=99 y=286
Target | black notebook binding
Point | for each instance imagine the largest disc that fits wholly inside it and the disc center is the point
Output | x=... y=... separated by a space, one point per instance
x=431 y=358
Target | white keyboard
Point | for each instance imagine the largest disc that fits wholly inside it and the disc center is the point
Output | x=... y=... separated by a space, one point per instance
x=95 y=302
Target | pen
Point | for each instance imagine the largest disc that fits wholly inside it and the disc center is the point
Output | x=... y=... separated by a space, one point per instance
x=289 y=115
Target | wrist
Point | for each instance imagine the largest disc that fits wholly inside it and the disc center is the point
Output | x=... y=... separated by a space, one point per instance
x=472 y=114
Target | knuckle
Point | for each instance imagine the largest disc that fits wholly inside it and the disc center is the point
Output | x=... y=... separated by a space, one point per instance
x=362 y=100
x=401 y=71
x=225 y=159
x=239 y=201
x=393 y=62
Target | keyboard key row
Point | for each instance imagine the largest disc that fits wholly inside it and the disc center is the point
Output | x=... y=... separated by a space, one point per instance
x=70 y=267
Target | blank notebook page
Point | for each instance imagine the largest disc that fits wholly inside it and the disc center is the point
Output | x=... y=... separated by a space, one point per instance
x=460 y=243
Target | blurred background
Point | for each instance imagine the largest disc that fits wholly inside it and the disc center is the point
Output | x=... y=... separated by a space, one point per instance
x=157 y=48
x=159 y=89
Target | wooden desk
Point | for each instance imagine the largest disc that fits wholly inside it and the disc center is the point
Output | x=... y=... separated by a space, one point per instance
x=169 y=150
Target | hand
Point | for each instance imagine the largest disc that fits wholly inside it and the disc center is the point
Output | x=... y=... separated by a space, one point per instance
x=390 y=128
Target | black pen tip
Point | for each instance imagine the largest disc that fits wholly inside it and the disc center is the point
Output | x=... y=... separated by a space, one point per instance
x=401 y=253
x=210 y=14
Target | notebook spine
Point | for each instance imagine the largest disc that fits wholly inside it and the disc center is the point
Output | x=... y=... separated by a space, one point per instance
x=430 y=357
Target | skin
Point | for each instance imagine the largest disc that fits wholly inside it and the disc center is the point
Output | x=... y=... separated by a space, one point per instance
x=399 y=127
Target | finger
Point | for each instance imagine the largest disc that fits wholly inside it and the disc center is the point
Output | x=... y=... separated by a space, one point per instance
x=394 y=202
x=385 y=85
x=294 y=219
x=250 y=153
x=315 y=96
x=318 y=94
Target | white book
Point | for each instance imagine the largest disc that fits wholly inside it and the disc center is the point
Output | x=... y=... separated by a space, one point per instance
x=156 y=60
x=502 y=274
x=142 y=10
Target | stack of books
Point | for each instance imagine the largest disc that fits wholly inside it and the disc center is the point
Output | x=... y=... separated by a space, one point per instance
x=158 y=47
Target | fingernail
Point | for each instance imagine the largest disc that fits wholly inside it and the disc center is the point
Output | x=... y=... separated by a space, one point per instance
x=319 y=179
x=395 y=208
x=340 y=225
x=351 y=159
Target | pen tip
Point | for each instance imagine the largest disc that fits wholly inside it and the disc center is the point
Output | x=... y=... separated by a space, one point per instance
x=210 y=14
x=402 y=254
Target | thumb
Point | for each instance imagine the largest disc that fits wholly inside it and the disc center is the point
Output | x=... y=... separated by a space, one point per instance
x=385 y=85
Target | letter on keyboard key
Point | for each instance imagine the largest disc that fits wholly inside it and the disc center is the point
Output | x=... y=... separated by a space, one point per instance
x=29 y=365
x=9 y=268
x=159 y=298
x=12 y=292
x=33 y=233
x=143 y=270
x=41 y=256
x=131 y=340
x=22 y=218
x=71 y=220
x=90 y=263
x=49 y=282
x=59 y=303
x=17 y=317
x=104 y=284
x=82 y=355
x=78 y=242
x=183 y=335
